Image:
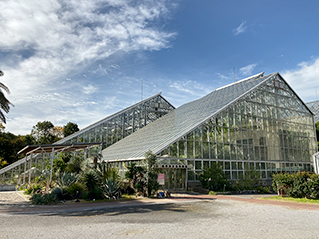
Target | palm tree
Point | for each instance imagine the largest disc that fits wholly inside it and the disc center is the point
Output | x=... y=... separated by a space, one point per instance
x=4 y=102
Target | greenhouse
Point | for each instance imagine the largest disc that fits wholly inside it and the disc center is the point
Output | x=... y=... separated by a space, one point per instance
x=93 y=138
x=257 y=123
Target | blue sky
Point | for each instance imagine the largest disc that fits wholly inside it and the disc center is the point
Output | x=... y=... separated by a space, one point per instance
x=80 y=61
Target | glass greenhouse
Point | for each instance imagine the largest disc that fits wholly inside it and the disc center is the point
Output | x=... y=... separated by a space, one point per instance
x=257 y=123
x=100 y=134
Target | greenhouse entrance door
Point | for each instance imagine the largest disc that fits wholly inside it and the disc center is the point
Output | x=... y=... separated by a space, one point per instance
x=175 y=179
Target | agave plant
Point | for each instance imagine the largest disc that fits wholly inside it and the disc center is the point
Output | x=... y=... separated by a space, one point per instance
x=65 y=179
x=111 y=189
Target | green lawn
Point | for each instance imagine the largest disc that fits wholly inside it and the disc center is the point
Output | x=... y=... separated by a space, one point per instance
x=290 y=199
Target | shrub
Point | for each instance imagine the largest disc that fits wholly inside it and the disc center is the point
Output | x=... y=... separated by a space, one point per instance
x=297 y=185
x=213 y=178
x=211 y=193
x=57 y=192
x=264 y=189
x=91 y=179
x=76 y=188
x=33 y=188
x=92 y=183
x=45 y=199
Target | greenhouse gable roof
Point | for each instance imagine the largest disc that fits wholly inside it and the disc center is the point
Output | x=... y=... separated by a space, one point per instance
x=163 y=132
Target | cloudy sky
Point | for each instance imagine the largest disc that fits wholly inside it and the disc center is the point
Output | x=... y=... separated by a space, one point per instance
x=80 y=61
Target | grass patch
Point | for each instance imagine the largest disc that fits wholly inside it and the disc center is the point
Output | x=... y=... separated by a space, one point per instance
x=290 y=199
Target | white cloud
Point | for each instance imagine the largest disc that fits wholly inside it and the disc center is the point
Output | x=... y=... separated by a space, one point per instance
x=304 y=79
x=46 y=42
x=240 y=29
x=90 y=89
x=247 y=70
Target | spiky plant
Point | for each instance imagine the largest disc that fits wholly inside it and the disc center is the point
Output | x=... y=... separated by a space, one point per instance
x=111 y=189
x=65 y=179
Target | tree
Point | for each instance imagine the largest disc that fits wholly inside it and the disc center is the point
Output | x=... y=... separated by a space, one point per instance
x=4 y=102
x=42 y=132
x=10 y=145
x=70 y=128
x=58 y=131
x=213 y=178
x=151 y=172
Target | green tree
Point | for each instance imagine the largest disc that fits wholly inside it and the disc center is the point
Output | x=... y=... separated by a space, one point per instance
x=4 y=102
x=213 y=178
x=151 y=173
x=70 y=128
x=10 y=145
x=42 y=132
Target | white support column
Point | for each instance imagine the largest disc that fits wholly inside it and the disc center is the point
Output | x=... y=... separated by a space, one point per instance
x=25 y=169
x=19 y=174
x=51 y=164
x=30 y=164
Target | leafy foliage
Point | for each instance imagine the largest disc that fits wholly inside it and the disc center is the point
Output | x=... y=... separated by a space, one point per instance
x=135 y=175
x=4 y=102
x=106 y=172
x=151 y=172
x=11 y=144
x=76 y=188
x=213 y=178
x=3 y=163
x=297 y=185
x=250 y=181
x=46 y=199
x=42 y=132
x=70 y=128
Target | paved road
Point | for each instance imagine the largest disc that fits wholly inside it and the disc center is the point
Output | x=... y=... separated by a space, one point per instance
x=187 y=217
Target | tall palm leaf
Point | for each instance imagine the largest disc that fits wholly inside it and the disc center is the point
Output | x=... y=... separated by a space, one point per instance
x=4 y=102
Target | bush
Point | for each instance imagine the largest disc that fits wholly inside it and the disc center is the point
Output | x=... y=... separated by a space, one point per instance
x=212 y=193
x=264 y=189
x=45 y=199
x=57 y=192
x=32 y=188
x=213 y=178
x=297 y=185
x=76 y=188
x=91 y=179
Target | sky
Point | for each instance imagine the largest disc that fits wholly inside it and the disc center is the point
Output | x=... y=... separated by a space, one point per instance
x=80 y=61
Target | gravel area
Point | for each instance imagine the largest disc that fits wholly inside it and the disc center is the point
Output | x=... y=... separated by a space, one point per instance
x=12 y=198
x=193 y=218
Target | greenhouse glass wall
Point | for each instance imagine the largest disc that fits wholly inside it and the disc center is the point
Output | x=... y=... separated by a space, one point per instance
x=262 y=125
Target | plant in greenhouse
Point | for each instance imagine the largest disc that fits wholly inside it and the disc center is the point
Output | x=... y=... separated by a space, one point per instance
x=135 y=175
x=106 y=172
x=213 y=178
